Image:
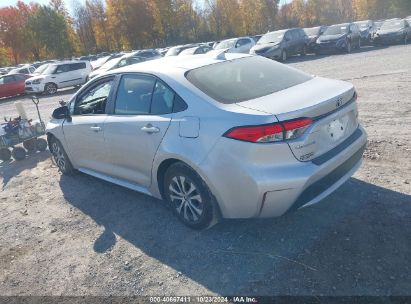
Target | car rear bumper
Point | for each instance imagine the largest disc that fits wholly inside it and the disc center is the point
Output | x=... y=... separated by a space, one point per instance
x=246 y=190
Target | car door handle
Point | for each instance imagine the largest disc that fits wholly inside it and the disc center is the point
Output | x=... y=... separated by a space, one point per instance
x=96 y=128
x=150 y=129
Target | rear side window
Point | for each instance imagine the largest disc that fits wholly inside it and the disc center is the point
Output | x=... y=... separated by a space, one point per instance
x=245 y=79
x=77 y=66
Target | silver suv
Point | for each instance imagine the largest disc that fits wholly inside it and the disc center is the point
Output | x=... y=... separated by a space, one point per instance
x=222 y=136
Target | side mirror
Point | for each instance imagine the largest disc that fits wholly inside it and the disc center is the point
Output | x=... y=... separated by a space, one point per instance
x=62 y=113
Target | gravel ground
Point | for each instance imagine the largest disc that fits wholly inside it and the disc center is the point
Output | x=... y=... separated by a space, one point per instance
x=81 y=236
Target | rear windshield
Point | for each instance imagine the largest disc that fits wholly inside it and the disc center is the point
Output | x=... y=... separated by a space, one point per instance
x=244 y=79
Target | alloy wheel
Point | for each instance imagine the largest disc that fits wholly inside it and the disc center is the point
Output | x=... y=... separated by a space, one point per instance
x=186 y=198
x=58 y=156
x=51 y=88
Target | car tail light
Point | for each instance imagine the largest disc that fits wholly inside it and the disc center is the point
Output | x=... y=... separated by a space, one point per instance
x=271 y=132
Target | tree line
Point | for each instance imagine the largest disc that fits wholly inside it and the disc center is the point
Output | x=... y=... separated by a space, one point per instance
x=38 y=32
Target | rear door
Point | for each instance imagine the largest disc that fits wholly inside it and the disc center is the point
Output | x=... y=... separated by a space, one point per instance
x=62 y=76
x=77 y=73
x=140 y=117
x=84 y=134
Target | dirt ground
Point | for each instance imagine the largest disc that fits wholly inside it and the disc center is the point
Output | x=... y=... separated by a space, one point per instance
x=81 y=236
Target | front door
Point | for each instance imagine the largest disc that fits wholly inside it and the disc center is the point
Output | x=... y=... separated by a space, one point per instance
x=133 y=132
x=84 y=134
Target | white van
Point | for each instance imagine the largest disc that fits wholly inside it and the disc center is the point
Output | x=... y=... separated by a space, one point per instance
x=59 y=75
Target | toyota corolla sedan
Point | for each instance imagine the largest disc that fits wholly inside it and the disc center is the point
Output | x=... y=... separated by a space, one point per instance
x=222 y=136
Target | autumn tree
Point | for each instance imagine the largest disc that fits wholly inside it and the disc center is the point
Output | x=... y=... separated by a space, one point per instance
x=50 y=29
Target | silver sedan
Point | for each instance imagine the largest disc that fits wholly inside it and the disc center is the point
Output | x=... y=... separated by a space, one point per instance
x=216 y=136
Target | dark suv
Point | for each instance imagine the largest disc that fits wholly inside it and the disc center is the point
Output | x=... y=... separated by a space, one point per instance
x=339 y=38
x=280 y=45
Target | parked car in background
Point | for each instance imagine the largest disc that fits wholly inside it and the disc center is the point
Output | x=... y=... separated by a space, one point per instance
x=174 y=51
x=339 y=38
x=313 y=33
x=201 y=49
x=148 y=53
x=59 y=75
x=285 y=139
x=378 y=24
x=280 y=45
x=367 y=31
x=3 y=71
x=236 y=45
x=256 y=38
x=127 y=59
x=12 y=84
x=99 y=62
x=25 y=69
x=393 y=31
x=40 y=69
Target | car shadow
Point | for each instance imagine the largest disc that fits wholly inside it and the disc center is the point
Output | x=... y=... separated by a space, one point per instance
x=12 y=168
x=310 y=57
x=355 y=242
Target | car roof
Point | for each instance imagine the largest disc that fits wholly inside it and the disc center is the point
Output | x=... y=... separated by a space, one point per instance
x=182 y=63
x=67 y=62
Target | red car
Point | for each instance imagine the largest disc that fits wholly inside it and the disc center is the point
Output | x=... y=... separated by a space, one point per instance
x=11 y=85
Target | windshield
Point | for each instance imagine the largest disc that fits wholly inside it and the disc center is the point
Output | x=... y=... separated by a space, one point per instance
x=51 y=68
x=174 y=51
x=394 y=24
x=245 y=79
x=362 y=25
x=336 y=30
x=111 y=64
x=273 y=37
x=226 y=44
x=188 y=51
x=41 y=68
x=314 y=31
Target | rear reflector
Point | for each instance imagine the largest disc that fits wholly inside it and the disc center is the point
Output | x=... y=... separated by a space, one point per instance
x=271 y=132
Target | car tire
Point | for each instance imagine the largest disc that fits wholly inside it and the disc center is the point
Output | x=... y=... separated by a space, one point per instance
x=18 y=153
x=60 y=157
x=30 y=145
x=5 y=154
x=50 y=88
x=359 y=44
x=284 y=56
x=189 y=196
x=41 y=144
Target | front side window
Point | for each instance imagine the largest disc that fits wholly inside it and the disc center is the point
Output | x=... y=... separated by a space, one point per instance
x=134 y=95
x=77 y=66
x=94 y=99
x=244 y=79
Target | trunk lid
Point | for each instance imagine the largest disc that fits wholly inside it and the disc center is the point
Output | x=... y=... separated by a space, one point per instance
x=329 y=103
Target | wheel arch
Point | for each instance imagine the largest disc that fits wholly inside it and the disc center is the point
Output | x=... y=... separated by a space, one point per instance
x=161 y=169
